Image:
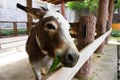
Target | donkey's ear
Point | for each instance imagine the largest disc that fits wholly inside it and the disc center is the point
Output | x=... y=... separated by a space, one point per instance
x=34 y=12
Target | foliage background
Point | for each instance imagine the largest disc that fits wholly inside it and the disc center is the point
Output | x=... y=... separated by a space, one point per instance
x=92 y=5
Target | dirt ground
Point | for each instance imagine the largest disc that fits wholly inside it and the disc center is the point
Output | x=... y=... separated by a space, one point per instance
x=16 y=66
x=105 y=65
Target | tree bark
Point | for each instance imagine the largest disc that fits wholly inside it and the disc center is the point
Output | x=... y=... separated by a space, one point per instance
x=86 y=31
x=102 y=21
x=110 y=17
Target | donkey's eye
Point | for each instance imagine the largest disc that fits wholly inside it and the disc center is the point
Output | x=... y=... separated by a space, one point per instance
x=50 y=26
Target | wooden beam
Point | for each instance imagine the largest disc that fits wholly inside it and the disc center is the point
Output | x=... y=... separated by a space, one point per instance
x=29 y=18
x=68 y=73
x=0 y=33
x=63 y=8
x=15 y=28
x=59 y=1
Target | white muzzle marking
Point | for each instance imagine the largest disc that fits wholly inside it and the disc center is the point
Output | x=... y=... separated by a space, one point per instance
x=39 y=45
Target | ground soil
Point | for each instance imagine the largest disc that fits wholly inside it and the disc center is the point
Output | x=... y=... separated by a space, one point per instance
x=105 y=65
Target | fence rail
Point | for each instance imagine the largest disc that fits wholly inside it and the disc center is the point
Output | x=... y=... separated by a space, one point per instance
x=14 y=26
x=68 y=73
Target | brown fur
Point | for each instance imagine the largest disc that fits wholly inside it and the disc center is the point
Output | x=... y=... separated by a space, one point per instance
x=49 y=41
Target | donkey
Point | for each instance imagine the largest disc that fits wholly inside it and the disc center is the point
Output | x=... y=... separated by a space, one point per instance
x=49 y=38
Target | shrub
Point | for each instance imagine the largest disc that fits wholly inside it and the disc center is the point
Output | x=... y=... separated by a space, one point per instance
x=22 y=31
x=115 y=33
x=9 y=32
x=6 y=32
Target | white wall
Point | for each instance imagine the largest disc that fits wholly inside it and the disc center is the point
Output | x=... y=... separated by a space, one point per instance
x=9 y=11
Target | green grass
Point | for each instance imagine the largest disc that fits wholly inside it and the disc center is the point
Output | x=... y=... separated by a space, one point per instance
x=9 y=32
x=115 y=38
x=22 y=31
x=6 y=32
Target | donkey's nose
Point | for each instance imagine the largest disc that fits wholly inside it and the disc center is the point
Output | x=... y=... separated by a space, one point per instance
x=71 y=59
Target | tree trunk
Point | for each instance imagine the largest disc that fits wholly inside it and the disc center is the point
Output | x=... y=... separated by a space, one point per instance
x=102 y=21
x=110 y=17
x=86 y=31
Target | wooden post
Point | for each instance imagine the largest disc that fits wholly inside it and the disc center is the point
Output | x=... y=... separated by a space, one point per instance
x=101 y=21
x=29 y=18
x=0 y=33
x=86 y=33
x=15 y=28
x=63 y=8
x=110 y=17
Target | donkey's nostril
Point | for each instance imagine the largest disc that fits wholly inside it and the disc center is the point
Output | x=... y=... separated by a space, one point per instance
x=70 y=57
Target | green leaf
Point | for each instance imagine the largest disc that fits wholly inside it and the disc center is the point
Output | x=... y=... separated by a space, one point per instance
x=54 y=65
x=117 y=5
x=92 y=5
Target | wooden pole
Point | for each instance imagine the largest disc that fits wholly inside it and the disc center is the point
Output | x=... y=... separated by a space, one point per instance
x=15 y=28
x=0 y=32
x=29 y=18
x=110 y=17
x=86 y=33
x=63 y=8
x=102 y=21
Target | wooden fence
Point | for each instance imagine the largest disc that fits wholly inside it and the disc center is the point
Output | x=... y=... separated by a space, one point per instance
x=14 y=26
x=68 y=73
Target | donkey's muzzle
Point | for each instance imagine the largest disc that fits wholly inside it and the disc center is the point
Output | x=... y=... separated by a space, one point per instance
x=70 y=59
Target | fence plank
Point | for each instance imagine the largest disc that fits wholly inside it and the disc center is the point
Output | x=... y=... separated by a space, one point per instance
x=68 y=73
x=0 y=32
x=15 y=28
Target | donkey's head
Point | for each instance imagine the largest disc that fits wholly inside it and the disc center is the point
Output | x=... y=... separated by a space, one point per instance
x=53 y=35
